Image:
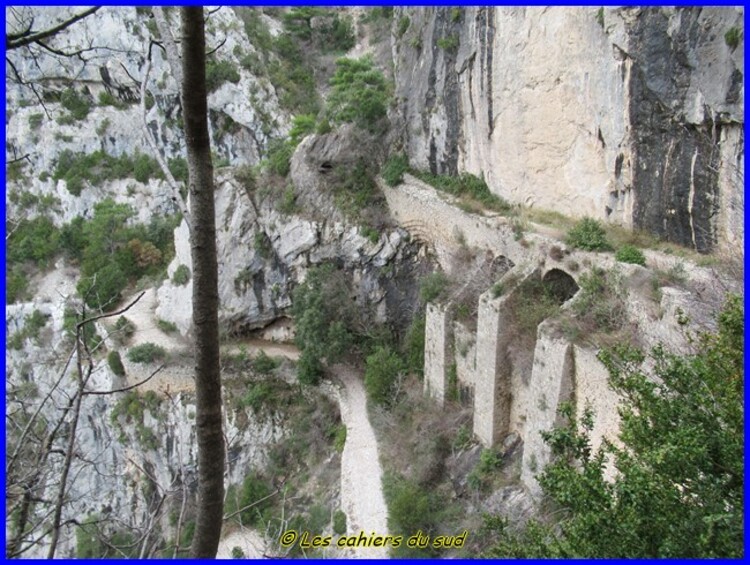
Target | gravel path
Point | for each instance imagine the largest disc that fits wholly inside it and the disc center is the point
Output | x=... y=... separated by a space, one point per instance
x=361 y=475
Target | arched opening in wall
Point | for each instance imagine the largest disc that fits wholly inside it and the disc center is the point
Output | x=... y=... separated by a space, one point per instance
x=560 y=285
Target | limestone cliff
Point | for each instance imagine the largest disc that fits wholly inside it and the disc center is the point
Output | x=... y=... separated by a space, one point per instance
x=626 y=114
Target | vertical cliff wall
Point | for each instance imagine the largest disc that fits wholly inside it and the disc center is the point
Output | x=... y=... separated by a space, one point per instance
x=630 y=115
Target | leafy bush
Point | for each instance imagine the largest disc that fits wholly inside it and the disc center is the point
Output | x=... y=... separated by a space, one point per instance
x=359 y=94
x=339 y=36
x=179 y=169
x=115 y=363
x=600 y=306
x=166 y=327
x=414 y=345
x=631 y=254
x=339 y=439
x=411 y=508
x=254 y=491
x=403 y=25
x=394 y=169
x=466 y=185
x=355 y=190
x=433 y=286
x=382 y=370
x=326 y=320
x=280 y=157
x=16 y=285
x=181 y=275
x=339 y=522
x=449 y=43
x=589 y=235
x=531 y=304
x=678 y=487
x=124 y=328
x=146 y=353
x=302 y=126
x=35 y=120
x=264 y=364
x=76 y=104
x=219 y=72
x=103 y=289
x=35 y=240
x=732 y=37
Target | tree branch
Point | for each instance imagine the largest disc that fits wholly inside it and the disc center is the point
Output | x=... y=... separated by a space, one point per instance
x=27 y=37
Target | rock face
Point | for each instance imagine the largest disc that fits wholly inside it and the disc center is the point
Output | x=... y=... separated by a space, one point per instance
x=631 y=115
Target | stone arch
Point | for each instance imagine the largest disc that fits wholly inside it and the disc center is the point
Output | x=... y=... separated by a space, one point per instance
x=560 y=284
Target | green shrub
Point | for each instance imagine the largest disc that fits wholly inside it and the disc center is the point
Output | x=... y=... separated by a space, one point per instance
x=600 y=16
x=339 y=36
x=732 y=37
x=35 y=120
x=75 y=103
x=302 y=126
x=181 y=275
x=589 y=235
x=254 y=491
x=237 y=553
x=146 y=353
x=339 y=439
x=219 y=72
x=456 y=14
x=166 y=327
x=433 y=286
x=309 y=368
x=600 y=305
x=264 y=364
x=339 y=522
x=382 y=371
x=179 y=169
x=631 y=254
x=288 y=204
x=280 y=157
x=35 y=240
x=414 y=345
x=403 y=25
x=394 y=169
x=449 y=43
x=411 y=508
x=355 y=190
x=16 y=285
x=124 y=329
x=466 y=186
x=115 y=363
x=103 y=289
x=108 y=99
x=359 y=94
x=531 y=304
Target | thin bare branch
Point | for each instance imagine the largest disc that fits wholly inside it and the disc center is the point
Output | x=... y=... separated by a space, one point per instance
x=28 y=37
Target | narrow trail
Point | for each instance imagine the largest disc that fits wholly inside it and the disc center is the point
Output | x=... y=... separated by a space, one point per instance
x=361 y=475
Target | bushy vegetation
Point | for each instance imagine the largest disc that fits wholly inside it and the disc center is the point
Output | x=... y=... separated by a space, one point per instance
x=433 y=287
x=279 y=157
x=115 y=363
x=600 y=304
x=589 y=235
x=35 y=241
x=32 y=325
x=112 y=252
x=359 y=94
x=219 y=72
x=411 y=508
x=181 y=275
x=383 y=369
x=77 y=105
x=146 y=353
x=325 y=320
x=631 y=254
x=97 y=167
x=124 y=329
x=679 y=486
x=531 y=304
x=469 y=188
x=394 y=169
x=732 y=37
x=354 y=190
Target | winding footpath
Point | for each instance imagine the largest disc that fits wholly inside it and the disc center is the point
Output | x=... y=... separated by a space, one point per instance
x=361 y=474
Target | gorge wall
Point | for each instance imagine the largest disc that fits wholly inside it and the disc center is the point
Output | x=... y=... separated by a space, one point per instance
x=631 y=115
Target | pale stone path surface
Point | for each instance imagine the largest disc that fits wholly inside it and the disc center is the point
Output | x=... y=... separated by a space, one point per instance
x=249 y=541
x=361 y=474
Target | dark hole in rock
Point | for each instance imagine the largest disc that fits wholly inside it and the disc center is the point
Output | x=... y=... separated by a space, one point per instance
x=560 y=285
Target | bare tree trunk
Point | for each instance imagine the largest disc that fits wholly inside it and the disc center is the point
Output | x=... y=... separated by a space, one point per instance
x=205 y=288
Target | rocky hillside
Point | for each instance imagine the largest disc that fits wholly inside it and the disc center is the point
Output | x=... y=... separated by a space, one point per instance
x=628 y=115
